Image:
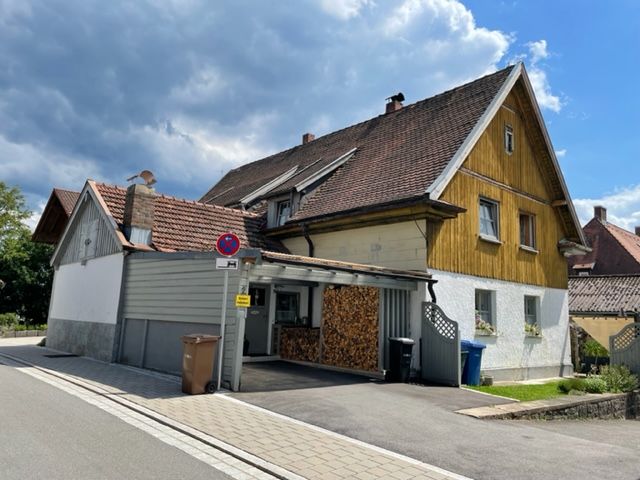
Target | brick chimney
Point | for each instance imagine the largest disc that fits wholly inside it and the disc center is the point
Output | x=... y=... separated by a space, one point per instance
x=393 y=106
x=308 y=137
x=139 y=209
x=600 y=212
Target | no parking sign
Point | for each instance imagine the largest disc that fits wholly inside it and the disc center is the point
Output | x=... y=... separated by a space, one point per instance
x=228 y=244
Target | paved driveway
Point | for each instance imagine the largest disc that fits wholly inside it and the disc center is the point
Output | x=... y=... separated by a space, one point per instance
x=420 y=422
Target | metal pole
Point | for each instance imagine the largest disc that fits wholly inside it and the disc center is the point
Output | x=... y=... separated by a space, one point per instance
x=222 y=324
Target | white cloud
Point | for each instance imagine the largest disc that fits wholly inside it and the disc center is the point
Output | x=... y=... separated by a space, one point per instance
x=344 y=9
x=561 y=153
x=33 y=220
x=538 y=76
x=623 y=207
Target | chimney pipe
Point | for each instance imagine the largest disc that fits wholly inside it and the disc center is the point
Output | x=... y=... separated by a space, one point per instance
x=308 y=137
x=138 y=215
x=600 y=213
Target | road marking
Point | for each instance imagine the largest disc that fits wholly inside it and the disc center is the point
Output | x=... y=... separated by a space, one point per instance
x=199 y=450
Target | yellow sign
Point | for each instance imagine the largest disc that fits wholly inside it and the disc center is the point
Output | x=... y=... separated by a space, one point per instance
x=243 y=300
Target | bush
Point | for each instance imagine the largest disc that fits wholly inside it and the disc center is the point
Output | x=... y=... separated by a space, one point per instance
x=569 y=384
x=9 y=319
x=594 y=349
x=618 y=378
x=595 y=385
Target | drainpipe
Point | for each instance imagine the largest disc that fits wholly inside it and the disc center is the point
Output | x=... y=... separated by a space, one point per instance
x=431 y=292
x=305 y=232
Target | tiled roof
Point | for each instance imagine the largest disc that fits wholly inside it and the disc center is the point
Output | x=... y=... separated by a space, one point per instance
x=185 y=225
x=629 y=241
x=67 y=199
x=399 y=155
x=604 y=293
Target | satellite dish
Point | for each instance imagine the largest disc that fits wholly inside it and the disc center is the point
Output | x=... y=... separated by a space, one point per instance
x=145 y=175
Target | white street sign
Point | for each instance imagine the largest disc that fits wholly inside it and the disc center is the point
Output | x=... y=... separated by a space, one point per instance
x=226 y=263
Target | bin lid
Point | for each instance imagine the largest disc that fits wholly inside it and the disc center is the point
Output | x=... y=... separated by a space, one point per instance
x=472 y=344
x=407 y=341
x=200 y=338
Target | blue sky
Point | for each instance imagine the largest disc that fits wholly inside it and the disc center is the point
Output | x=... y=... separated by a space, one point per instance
x=190 y=89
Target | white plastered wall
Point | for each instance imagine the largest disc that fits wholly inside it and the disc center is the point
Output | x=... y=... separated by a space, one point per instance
x=510 y=348
x=89 y=292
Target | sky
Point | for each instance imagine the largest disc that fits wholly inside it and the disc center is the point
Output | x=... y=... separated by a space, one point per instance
x=190 y=89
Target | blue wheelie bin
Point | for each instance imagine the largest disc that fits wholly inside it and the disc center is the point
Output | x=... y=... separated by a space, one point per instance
x=471 y=371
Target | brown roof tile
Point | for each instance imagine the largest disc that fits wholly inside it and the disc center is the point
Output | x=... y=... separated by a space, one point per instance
x=604 y=293
x=399 y=155
x=629 y=241
x=185 y=225
x=67 y=199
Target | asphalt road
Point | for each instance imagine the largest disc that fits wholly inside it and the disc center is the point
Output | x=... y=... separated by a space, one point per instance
x=420 y=422
x=47 y=433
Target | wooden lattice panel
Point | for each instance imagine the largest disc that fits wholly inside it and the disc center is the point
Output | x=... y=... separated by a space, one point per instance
x=444 y=326
x=350 y=327
x=626 y=337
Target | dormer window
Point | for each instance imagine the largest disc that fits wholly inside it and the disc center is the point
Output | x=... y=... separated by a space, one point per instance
x=283 y=212
x=508 y=139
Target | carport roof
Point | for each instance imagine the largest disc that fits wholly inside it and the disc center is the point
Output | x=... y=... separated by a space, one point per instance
x=350 y=267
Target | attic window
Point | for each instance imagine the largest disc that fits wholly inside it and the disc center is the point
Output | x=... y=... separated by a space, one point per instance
x=283 y=212
x=508 y=139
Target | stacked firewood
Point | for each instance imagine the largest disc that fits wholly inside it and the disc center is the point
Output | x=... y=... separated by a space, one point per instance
x=350 y=327
x=300 y=343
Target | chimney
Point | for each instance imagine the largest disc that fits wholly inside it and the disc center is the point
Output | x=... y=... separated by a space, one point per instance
x=600 y=213
x=638 y=231
x=394 y=103
x=308 y=137
x=139 y=209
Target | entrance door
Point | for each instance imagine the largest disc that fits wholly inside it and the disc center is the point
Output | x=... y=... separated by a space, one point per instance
x=257 y=323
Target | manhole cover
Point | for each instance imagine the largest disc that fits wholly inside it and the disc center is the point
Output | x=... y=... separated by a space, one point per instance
x=60 y=355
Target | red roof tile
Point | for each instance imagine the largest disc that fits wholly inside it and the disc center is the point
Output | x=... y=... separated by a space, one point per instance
x=185 y=225
x=604 y=293
x=399 y=155
x=67 y=199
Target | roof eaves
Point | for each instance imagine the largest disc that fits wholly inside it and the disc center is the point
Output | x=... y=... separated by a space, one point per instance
x=326 y=170
x=267 y=187
x=437 y=187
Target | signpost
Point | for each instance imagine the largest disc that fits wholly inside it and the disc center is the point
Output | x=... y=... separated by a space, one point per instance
x=228 y=244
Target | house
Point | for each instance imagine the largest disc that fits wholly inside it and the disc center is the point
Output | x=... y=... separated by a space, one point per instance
x=135 y=270
x=55 y=215
x=464 y=184
x=614 y=250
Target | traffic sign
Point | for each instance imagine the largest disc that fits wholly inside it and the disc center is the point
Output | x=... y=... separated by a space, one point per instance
x=228 y=244
x=226 y=263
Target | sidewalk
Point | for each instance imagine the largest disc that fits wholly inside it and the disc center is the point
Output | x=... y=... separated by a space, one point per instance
x=299 y=448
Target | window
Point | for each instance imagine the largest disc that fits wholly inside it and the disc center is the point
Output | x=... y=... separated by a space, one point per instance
x=528 y=230
x=283 y=211
x=258 y=296
x=287 y=307
x=485 y=323
x=508 y=139
x=489 y=227
x=531 y=324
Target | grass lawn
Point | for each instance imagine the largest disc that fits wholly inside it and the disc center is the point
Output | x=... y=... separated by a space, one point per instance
x=523 y=393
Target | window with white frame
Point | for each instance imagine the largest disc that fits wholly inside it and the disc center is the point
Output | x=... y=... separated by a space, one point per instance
x=485 y=314
x=283 y=212
x=531 y=315
x=489 y=221
x=508 y=139
x=528 y=230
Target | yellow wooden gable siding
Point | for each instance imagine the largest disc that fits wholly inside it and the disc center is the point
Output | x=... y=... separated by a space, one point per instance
x=455 y=245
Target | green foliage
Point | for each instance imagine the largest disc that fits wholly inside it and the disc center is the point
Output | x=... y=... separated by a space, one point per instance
x=522 y=392
x=572 y=384
x=24 y=265
x=594 y=349
x=595 y=385
x=9 y=319
x=618 y=378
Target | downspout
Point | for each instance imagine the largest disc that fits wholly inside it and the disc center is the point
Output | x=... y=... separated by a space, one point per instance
x=431 y=292
x=305 y=232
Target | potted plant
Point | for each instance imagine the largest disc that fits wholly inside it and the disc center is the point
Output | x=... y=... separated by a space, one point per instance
x=482 y=327
x=594 y=355
x=532 y=329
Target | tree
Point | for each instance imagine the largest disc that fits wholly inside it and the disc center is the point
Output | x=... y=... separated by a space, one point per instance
x=24 y=265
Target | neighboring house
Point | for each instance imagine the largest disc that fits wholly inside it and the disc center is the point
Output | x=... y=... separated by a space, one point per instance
x=134 y=271
x=603 y=304
x=604 y=287
x=55 y=216
x=614 y=250
x=465 y=184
